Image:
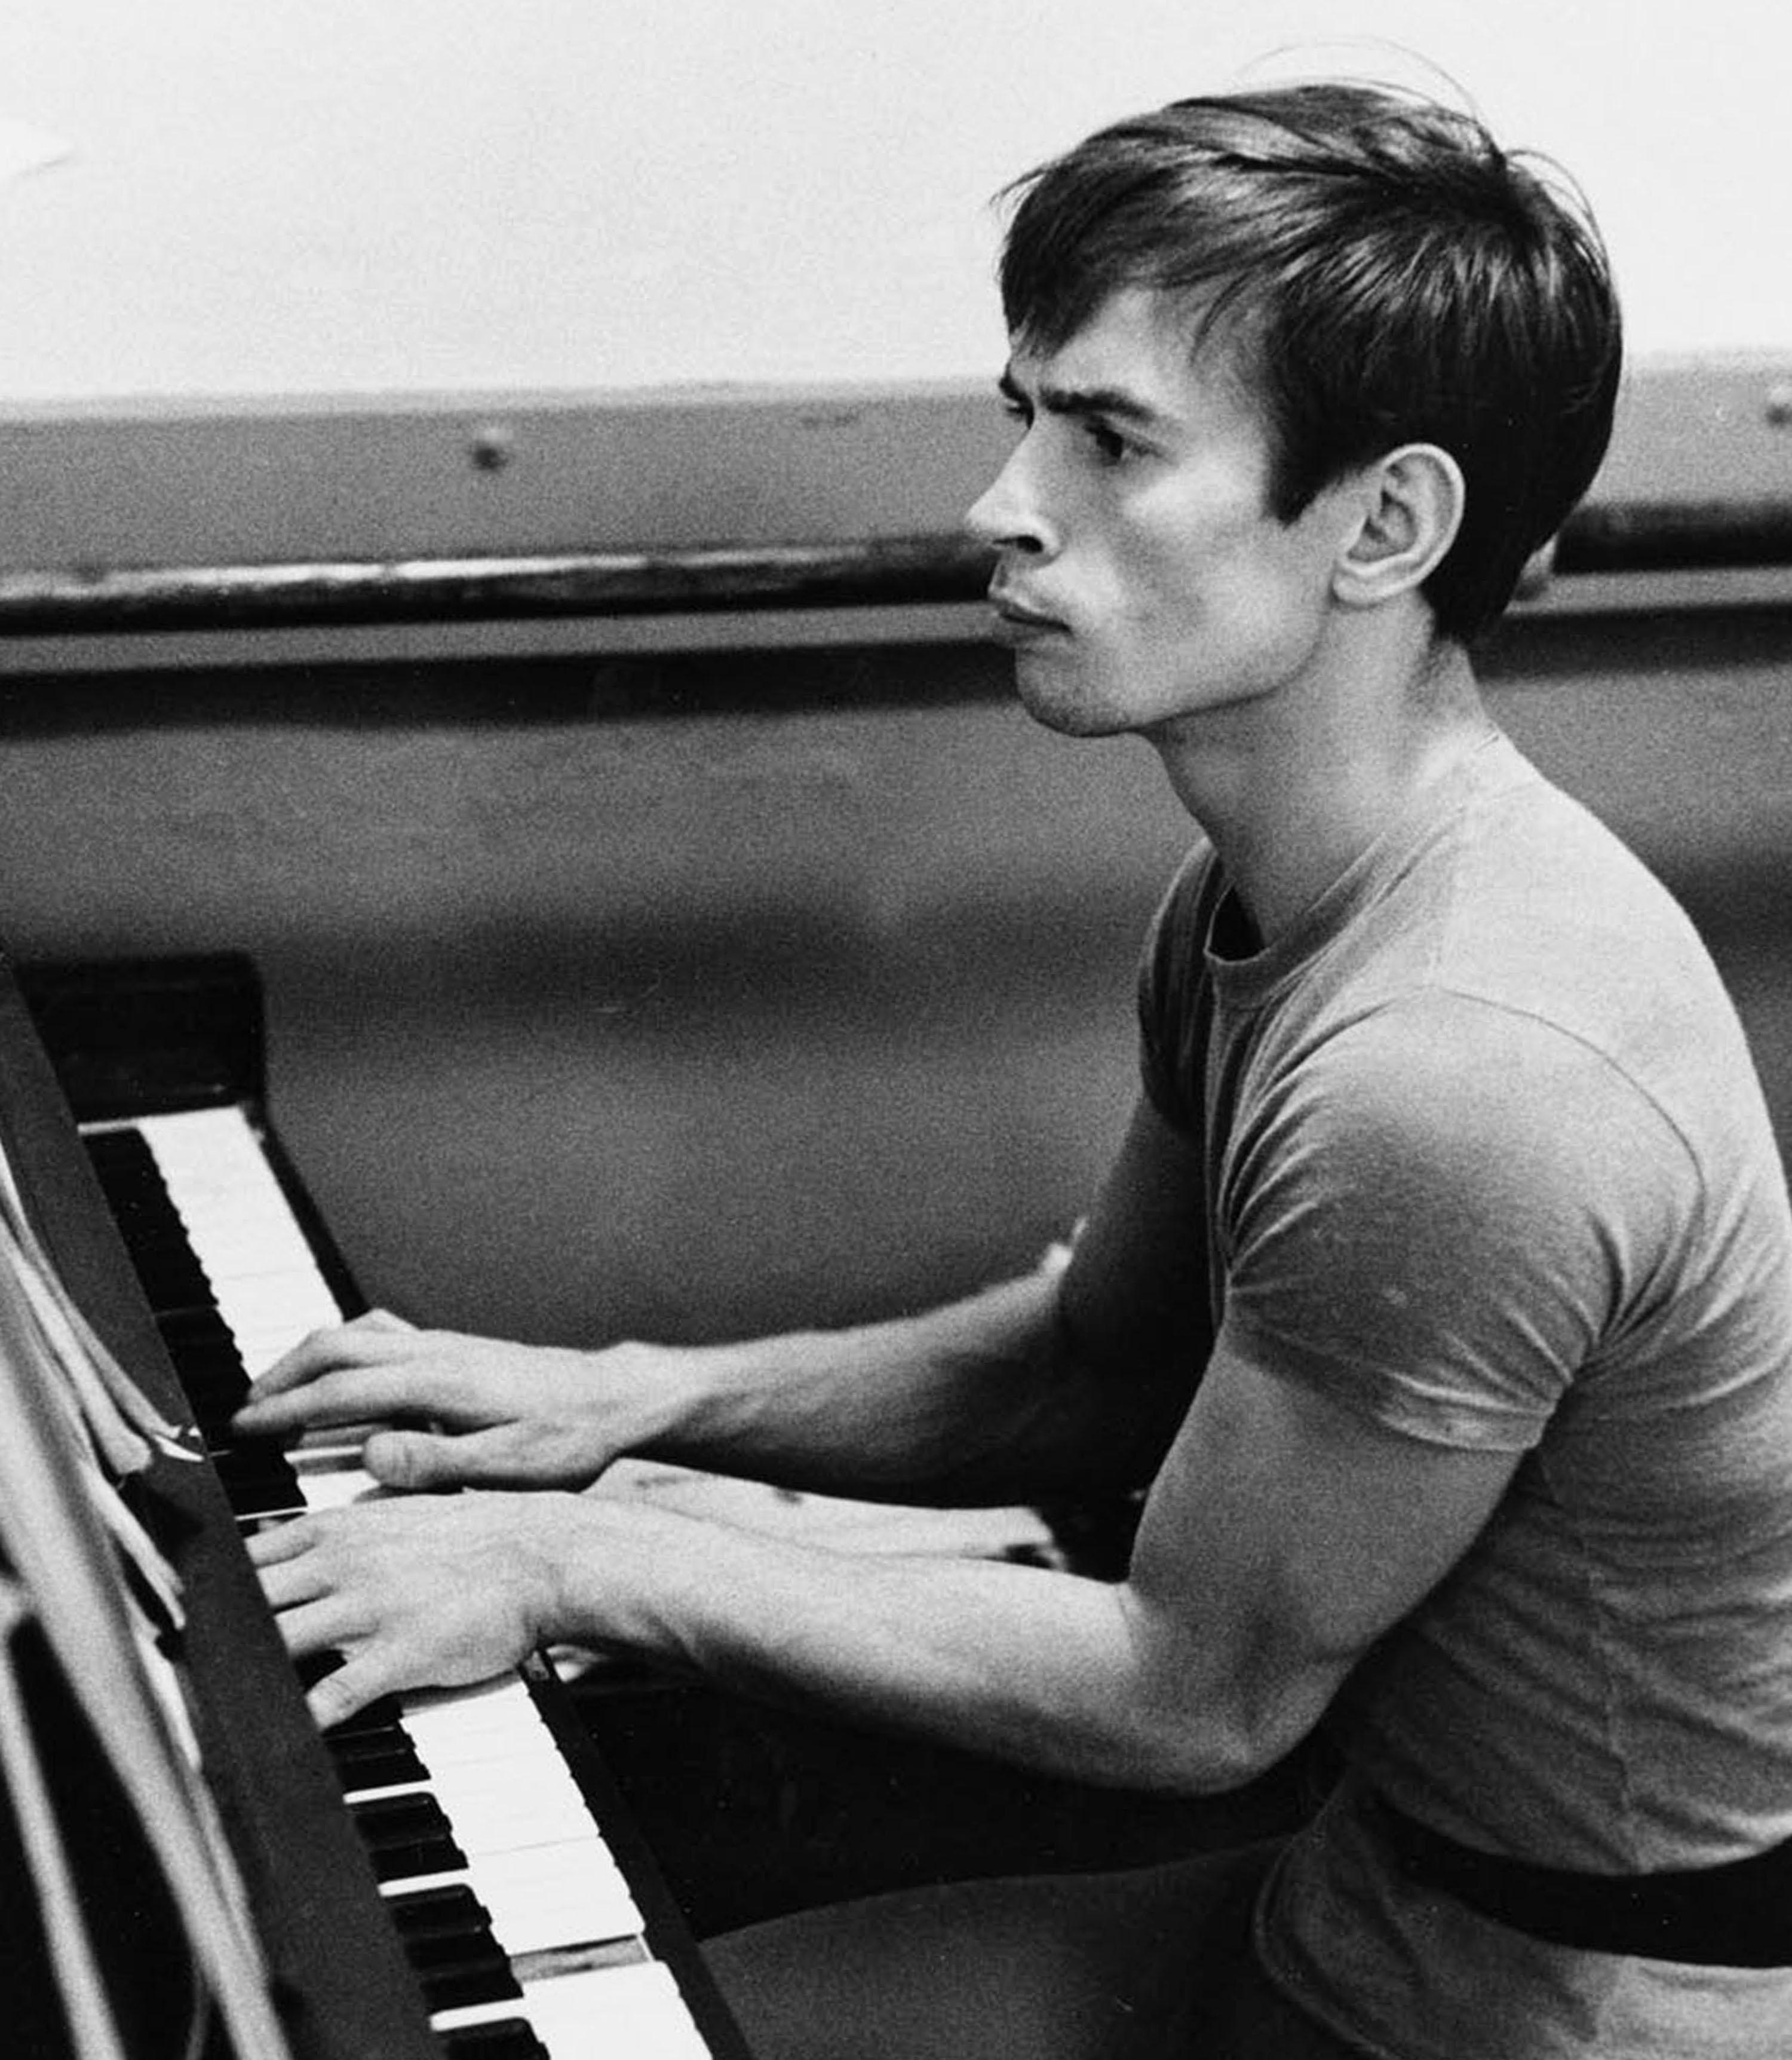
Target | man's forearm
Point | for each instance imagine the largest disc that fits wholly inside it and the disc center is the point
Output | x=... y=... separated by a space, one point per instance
x=985 y=1400
x=1037 y=1668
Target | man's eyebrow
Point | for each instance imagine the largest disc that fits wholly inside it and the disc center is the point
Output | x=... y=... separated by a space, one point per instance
x=1113 y=402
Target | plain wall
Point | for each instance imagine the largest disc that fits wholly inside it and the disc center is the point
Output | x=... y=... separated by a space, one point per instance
x=593 y=1012
x=257 y=198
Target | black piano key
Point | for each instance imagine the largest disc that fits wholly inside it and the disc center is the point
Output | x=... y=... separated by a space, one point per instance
x=350 y=1742
x=128 y=1173
x=393 y=1766
x=167 y=1265
x=261 y=1478
x=214 y=1404
x=123 y=1162
x=257 y=1480
x=405 y=1862
x=445 y=1912
x=213 y=1407
x=205 y=1355
x=407 y=1835
x=454 y=1971
x=153 y=1234
x=211 y=1372
x=385 y=1733
x=446 y=1934
x=399 y=1819
x=198 y=1329
x=380 y=1716
x=172 y=1277
x=510 y=2038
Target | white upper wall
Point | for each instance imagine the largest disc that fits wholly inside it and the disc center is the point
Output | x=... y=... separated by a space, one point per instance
x=369 y=197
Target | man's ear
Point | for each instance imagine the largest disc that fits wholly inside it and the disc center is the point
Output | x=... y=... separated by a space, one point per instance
x=1411 y=503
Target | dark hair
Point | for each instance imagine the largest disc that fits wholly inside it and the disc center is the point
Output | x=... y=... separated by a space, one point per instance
x=1393 y=276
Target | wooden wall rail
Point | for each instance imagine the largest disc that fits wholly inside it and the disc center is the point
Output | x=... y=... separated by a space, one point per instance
x=900 y=571
x=1661 y=536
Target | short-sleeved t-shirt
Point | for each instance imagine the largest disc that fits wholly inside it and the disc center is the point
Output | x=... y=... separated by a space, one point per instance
x=1486 y=1160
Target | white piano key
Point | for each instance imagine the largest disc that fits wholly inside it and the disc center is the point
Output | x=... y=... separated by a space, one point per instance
x=544 y=1898
x=473 y=1757
x=337 y=1489
x=600 y=2014
x=270 y=1290
x=635 y=2009
x=536 y=1772
x=217 y=1147
x=488 y=1821
x=538 y=1785
x=501 y=1705
x=272 y=1302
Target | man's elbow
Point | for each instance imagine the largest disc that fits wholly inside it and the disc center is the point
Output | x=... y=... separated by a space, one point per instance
x=1204 y=1746
x=1197 y=1727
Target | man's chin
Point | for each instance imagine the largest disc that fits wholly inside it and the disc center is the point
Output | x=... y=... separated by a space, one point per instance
x=1057 y=699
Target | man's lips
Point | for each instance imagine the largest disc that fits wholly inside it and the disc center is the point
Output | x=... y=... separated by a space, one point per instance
x=1018 y=618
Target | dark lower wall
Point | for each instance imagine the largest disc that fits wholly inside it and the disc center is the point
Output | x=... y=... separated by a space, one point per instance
x=675 y=997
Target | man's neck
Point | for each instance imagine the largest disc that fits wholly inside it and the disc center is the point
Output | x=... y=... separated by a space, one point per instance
x=1293 y=790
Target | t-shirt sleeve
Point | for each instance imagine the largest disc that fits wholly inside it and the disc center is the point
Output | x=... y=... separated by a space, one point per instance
x=1443 y=1213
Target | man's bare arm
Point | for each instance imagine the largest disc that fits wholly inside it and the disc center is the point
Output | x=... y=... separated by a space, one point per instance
x=1282 y=1537
x=1059 y=1381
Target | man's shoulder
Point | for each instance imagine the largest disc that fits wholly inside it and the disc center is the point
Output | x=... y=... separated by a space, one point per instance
x=1551 y=916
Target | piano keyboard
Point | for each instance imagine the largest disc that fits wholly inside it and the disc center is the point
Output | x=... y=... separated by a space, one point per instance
x=517 y=1921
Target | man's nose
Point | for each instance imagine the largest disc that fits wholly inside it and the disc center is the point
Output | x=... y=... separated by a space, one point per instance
x=1008 y=514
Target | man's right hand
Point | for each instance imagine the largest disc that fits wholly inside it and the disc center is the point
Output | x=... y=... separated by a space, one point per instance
x=447 y=1410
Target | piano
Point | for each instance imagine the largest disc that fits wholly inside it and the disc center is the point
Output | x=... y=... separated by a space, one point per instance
x=450 y=1873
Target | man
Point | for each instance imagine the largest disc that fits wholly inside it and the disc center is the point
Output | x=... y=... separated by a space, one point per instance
x=1442 y=1290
